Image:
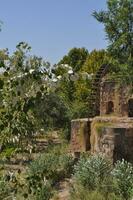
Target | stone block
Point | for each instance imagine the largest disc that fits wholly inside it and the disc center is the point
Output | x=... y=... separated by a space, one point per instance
x=112 y=137
x=80 y=135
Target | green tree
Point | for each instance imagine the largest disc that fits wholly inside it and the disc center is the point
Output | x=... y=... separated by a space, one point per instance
x=94 y=60
x=118 y=22
x=21 y=85
x=75 y=58
x=51 y=111
x=75 y=88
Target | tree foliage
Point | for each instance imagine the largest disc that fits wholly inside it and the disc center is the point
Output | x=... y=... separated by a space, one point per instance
x=118 y=22
x=75 y=58
x=74 y=87
x=95 y=60
x=21 y=84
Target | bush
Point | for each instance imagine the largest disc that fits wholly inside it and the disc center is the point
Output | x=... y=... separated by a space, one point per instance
x=123 y=179
x=100 y=180
x=50 y=167
x=5 y=190
x=92 y=172
x=14 y=185
x=42 y=192
x=44 y=166
x=81 y=193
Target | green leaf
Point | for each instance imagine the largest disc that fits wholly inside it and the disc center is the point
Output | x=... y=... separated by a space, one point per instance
x=1 y=84
x=39 y=94
x=6 y=73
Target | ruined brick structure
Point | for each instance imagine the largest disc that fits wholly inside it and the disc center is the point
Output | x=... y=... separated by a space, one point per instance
x=116 y=98
x=110 y=133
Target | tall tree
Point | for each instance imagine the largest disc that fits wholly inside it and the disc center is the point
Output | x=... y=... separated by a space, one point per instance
x=22 y=84
x=118 y=22
x=75 y=58
x=94 y=60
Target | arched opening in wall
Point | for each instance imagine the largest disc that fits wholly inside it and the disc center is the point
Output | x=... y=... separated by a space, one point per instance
x=130 y=108
x=110 y=107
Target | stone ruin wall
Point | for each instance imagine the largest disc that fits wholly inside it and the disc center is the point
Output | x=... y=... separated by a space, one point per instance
x=80 y=135
x=109 y=134
x=112 y=137
x=118 y=94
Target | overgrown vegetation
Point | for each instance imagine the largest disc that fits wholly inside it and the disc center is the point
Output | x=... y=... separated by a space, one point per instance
x=36 y=97
x=96 y=178
x=41 y=178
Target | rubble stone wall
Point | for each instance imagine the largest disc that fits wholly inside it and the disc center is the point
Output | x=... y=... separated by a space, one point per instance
x=112 y=137
x=116 y=93
x=80 y=135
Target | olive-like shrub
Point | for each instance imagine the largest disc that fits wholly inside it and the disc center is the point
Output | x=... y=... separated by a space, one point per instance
x=92 y=172
x=97 y=175
x=123 y=179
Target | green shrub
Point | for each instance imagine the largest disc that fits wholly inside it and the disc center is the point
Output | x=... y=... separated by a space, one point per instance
x=92 y=172
x=44 y=193
x=100 y=180
x=45 y=166
x=66 y=164
x=50 y=167
x=81 y=193
x=5 y=190
x=16 y=186
x=7 y=153
x=53 y=165
x=40 y=190
x=123 y=179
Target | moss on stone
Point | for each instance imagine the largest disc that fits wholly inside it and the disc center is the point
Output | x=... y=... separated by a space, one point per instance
x=100 y=125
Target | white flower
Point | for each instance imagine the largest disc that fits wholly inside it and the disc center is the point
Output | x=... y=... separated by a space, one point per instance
x=13 y=140
x=59 y=77
x=7 y=63
x=89 y=76
x=11 y=174
x=19 y=76
x=17 y=138
x=45 y=180
x=70 y=71
x=65 y=65
x=54 y=80
x=31 y=70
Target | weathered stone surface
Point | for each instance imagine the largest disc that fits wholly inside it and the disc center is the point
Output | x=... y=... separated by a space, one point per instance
x=118 y=94
x=80 y=135
x=112 y=132
x=113 y=137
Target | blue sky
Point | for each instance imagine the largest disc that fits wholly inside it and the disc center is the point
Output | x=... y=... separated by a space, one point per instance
x=51 y=27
